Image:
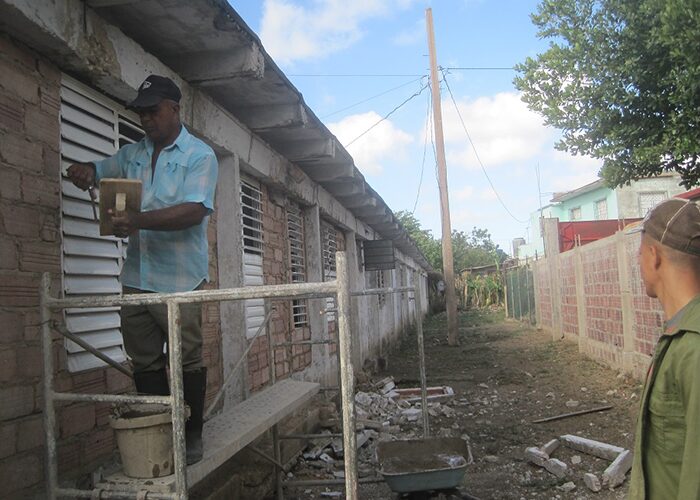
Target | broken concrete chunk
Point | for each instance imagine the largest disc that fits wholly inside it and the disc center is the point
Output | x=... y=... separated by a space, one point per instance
x=572 y=403
x=362 y=398
x=570 y=486
x=550 y=446
x=614 y=475
x=411 y=414
x=332 y=494
x=536 y=456
x=592 y=447
x=592 y=482
x=556 y=467
x=575 y=460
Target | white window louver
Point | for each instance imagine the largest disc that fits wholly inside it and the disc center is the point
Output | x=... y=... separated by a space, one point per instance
x=330 y=246
x=297 y=256
x=252 y=227
x=92 y=128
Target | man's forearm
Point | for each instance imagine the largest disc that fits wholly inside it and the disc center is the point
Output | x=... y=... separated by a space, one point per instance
x=174 y=218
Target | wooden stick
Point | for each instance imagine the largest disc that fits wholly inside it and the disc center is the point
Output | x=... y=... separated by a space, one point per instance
x=572 y=414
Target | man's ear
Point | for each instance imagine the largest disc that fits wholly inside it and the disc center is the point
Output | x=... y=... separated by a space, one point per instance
x=656 y=256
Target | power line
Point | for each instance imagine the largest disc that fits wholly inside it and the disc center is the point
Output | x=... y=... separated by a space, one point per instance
x=481 y=68
x=476 y=153
x=355 y=75
x=416 y=94
x=425 y=150
x=373 y=97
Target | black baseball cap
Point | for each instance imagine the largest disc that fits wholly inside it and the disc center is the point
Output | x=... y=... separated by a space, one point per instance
x=674 y=223
x=154 y=89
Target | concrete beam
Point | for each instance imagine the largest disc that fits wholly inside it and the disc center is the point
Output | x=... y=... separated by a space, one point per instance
x=273 y=116
x=97 y=4
x=369 y=211
x=329 y=172
x=346 y=189
x=216 y=68
x=308 y=151
x=360 y=200
x=377 y=219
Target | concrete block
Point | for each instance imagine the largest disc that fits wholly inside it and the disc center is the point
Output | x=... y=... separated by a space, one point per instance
x=592 y=447
x=8 y=365
x=10 y=186
x=11 y=112
x=614 y=475
x=536 y=456
x=40 y=191
x=30 y=433
x=21 y=221
x=592 y=482
x=18 y=81
x=17 y=401
x=16 y=150
x=29 y=361
x=42 y=126
x=556 y=467
x=8 y=439
x=551 y=446
x=20 y=472
x=11 y=327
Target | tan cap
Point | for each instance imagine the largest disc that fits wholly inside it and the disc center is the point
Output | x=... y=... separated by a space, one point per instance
x=674 y=223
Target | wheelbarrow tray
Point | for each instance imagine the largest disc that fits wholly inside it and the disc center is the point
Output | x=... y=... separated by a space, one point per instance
x=422 y=464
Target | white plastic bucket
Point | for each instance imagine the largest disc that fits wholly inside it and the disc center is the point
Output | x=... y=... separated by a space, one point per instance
x=145 y=439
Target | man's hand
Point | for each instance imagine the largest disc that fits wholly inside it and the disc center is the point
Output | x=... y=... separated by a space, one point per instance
x=124 y=223
x=82 y=175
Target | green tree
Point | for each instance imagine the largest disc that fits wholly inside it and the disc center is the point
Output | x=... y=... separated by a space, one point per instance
x=468 y=249
x=621 y=79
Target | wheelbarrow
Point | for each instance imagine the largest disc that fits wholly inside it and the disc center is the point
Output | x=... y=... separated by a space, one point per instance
x=423 y=464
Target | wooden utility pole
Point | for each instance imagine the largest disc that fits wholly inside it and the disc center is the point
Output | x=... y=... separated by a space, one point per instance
x=447 y=261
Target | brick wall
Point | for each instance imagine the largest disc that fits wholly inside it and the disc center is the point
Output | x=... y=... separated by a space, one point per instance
x=211 y=321
x=543 y=292
x=30 y=243
x=569 y=302
x=620 y=332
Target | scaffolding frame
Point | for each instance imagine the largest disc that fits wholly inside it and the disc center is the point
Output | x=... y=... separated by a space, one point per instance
x=340 y=288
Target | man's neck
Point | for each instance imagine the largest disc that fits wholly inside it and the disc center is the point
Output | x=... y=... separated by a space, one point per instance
x=677 y=294
x=170 y=139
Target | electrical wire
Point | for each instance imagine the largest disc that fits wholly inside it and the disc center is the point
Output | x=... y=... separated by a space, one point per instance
x=482 y=68
x=425 y=150
x=373 y=97
x=476 y=153
x=414 y=95
x=353 y=75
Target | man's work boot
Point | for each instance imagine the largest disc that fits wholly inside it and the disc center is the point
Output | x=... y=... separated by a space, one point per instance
x=152 y=382
x=195 y=386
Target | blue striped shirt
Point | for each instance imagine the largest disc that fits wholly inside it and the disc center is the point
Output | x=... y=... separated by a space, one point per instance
x=186 y=171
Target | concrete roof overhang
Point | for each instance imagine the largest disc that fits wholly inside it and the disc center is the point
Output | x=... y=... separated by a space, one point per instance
x=211 y=47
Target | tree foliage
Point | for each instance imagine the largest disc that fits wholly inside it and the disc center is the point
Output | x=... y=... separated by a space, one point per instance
x=468 y=249
x=621 y=79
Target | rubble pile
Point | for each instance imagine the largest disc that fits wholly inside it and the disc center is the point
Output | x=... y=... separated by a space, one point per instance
x=381 y=415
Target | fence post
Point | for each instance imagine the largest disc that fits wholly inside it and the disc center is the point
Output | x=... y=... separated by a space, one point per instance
x=623 y=270
x=505 y=291
x=580 y=299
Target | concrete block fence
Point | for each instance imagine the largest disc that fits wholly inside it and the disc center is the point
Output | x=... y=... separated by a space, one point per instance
x=593 y=295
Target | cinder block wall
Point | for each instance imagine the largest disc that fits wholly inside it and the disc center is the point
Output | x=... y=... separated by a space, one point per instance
x=603 y=303
x=30 y=244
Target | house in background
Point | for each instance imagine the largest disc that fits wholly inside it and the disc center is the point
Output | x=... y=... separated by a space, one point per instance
x=597 y=202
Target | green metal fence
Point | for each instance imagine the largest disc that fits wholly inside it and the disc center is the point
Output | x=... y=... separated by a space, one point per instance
x=520 y=293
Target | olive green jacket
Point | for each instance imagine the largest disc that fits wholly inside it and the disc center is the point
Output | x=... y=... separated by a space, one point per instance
x=667 y=443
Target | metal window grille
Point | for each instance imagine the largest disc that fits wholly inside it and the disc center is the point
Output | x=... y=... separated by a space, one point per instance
x=251 y=224
x=575 y=213
x=647 y=201
x=330 y=246
x=601 y=209
x=252 y=229
x=92 y=127
x=297 y=256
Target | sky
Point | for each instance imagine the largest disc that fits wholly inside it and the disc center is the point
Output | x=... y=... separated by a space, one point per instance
x=358 y=61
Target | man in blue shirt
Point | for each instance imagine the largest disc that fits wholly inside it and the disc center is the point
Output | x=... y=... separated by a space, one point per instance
x=167 y=249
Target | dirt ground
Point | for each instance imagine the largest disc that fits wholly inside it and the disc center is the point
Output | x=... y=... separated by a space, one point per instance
x=505 y=375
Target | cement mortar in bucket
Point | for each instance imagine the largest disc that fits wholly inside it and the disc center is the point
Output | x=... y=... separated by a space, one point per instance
x=145 y=439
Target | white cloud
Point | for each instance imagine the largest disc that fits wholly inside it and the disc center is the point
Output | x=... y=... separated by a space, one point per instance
x=385 y=141
x=292 y=32
x=412 y=36
x=569 y=172
x=502 y=128
x=463 y=193
x=488 y=195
